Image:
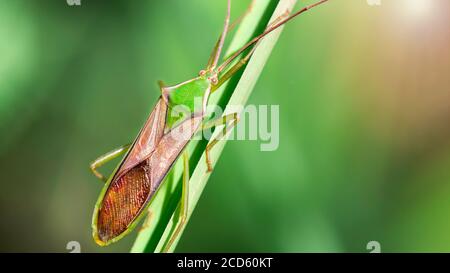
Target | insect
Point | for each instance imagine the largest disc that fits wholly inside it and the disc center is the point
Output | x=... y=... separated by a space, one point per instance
x=161 y=141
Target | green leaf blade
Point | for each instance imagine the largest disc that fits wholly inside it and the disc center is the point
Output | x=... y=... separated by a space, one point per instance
x=164 y=208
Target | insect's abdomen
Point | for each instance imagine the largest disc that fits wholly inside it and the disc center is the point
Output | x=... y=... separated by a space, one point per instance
x=129 y=192
x=123 y=201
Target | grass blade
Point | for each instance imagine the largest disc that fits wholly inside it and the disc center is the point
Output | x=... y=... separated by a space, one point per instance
x=164 y=207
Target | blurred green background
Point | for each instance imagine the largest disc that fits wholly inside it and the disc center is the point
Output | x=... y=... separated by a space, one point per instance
x=364 y=133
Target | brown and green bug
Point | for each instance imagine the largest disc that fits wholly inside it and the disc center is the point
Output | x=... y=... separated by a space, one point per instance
x=162 y=140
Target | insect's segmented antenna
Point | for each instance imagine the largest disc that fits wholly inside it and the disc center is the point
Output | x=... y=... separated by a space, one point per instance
x=267 y=31
x=223 y=36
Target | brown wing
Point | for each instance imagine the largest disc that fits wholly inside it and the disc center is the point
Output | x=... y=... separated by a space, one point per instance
x=122 y=202
x=130 y=191
x=147 y=139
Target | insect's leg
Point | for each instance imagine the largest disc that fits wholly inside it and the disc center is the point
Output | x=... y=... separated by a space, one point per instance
x=183 y=203
x=102 y=160
x=218 y=121
x=229 y=121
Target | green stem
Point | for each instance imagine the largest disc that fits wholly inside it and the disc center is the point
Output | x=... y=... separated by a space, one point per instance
x=165 y=205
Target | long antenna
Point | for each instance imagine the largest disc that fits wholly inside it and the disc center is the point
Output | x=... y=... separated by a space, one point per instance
x=223 y=36
x=267 y=31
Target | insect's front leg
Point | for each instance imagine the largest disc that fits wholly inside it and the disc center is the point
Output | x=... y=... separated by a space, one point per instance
x=228 y=121
x=102 y=160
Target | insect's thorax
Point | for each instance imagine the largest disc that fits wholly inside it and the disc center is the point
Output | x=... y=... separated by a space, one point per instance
x=187 y=100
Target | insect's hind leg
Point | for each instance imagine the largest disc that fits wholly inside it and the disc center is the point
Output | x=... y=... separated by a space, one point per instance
x=229 y=121
x=102 y=160
x=183 y=204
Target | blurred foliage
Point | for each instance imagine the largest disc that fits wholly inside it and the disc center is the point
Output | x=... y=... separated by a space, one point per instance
x=364 y=132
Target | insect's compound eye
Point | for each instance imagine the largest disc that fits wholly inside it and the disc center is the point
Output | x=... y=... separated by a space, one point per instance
x=202 y=73
x=214 y=80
